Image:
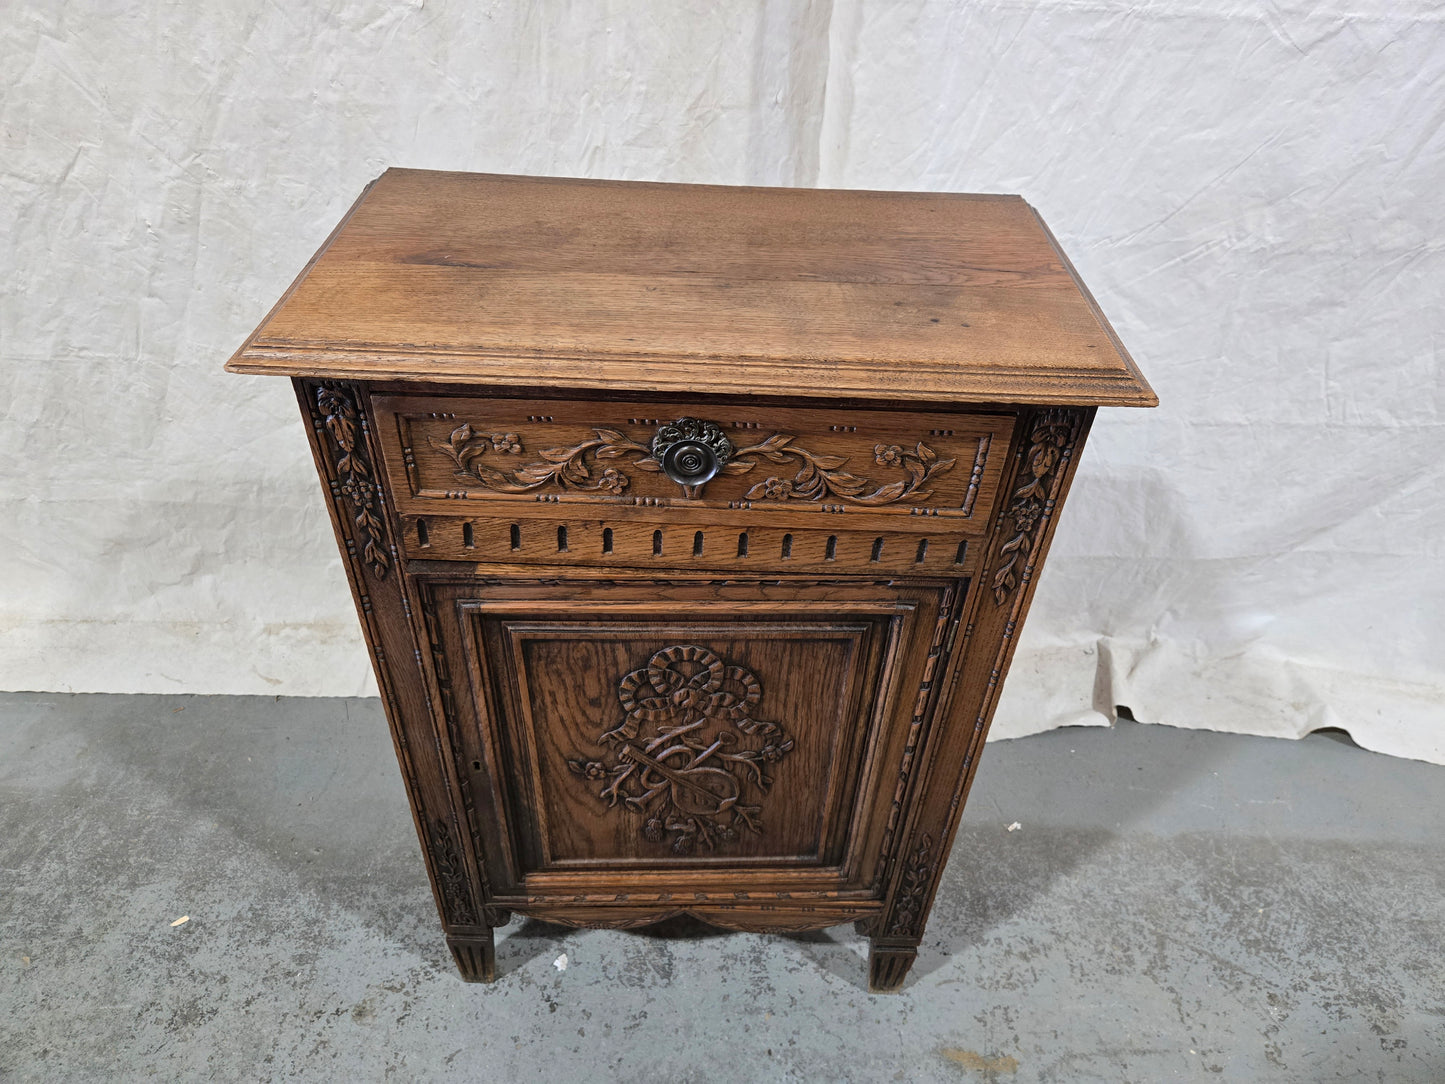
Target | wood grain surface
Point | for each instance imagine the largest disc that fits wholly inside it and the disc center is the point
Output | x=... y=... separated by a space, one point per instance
x=930 y=297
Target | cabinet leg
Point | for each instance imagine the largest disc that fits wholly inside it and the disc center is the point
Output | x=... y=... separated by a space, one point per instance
x=888 y=966
x=476 y=956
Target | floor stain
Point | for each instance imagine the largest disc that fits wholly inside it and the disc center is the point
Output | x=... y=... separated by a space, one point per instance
x=969 y=1060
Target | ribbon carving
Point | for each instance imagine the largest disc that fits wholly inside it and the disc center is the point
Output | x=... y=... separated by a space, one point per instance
x=689 y=750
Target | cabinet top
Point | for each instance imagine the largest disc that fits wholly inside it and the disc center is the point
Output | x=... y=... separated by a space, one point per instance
x=632 y=286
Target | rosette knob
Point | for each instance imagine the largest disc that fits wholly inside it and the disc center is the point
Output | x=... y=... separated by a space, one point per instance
x=690 y=451
x=690 y=463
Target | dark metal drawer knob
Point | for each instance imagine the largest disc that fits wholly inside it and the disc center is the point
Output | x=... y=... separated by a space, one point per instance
x=691 y=451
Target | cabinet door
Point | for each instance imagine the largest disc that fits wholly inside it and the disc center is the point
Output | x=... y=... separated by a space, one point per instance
x=723 y=740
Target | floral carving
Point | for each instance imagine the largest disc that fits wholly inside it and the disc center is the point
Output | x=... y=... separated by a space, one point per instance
x=821 y=476
x=908 y=910
x=354 y=476
x=1050 y=441
x=477 y=458
x=613 y=481
x=463 y=445
x=567 y=467
x=688 y=749
x=451 y=875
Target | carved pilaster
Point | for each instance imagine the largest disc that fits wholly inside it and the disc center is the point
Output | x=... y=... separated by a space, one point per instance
x=924 y=702
x=1051 y=444
x=339 y=413
x=911 y=903
x=442 y=679
x=451 y=874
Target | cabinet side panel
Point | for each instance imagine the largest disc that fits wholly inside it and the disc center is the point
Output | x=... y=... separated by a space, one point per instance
x=1046 y=451
x=344 y=450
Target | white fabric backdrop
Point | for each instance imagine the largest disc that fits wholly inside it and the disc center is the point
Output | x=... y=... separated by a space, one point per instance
x=1254 y=194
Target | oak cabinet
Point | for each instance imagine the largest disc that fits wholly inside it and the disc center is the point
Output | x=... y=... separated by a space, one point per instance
x=690 y=528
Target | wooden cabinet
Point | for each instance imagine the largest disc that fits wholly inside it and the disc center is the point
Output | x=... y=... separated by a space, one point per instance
x=690 y=528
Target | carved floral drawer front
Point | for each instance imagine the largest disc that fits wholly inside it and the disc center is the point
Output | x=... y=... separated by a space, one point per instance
x=743 y=463
x=763 y=733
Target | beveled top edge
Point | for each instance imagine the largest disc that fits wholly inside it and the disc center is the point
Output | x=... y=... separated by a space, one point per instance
x=1062 y=388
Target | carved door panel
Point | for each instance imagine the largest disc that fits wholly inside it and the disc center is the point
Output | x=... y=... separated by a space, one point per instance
x=705 y=735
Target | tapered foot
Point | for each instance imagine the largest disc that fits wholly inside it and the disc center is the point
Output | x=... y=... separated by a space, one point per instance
x=888 y=967
x=476 y=957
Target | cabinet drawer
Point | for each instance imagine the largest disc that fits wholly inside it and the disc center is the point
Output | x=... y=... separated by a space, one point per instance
x=878 y=471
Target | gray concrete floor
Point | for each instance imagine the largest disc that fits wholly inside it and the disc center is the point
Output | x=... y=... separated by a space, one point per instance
x=1176 y=905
